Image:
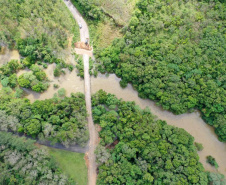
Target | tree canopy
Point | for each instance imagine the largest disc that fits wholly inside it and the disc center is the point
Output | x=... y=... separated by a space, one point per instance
x=137 y=148
x=23 y=163
x=59 y=120
x=174 y=52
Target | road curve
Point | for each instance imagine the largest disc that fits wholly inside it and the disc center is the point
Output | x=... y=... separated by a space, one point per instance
x=84 y=33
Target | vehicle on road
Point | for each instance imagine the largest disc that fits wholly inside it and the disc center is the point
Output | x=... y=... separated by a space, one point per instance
x=80 y=25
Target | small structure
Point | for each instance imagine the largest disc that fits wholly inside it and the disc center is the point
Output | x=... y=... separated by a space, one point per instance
x=82 y=45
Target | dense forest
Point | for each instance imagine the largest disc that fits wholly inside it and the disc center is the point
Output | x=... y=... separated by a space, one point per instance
x=137 y=148
x=23 y=163
x=174 y=52
x=59 y=120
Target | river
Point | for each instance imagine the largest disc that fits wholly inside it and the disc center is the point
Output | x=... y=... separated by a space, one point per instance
x=191 y=122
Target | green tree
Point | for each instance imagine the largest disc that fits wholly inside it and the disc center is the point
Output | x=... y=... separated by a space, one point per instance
x=23 y=82
x=32 y=127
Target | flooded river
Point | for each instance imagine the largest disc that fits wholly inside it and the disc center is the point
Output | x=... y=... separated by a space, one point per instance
x=191 y=122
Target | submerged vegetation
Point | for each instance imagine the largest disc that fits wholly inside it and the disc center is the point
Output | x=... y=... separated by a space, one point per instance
x=174 y=52
x=36 y=79
x=211 y=160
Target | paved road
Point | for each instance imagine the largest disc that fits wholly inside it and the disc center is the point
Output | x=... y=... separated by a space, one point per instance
x=84 y=33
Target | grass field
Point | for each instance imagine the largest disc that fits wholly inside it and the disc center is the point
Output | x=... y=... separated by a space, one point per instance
x=71 y=164
x=102 y=34
x=120 y=10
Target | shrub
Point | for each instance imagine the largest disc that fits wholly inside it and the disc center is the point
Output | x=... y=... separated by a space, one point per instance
x=24 y=82
x=211 y=160
x=57 y=72
x=19 y=93
x=5 y=82
x=13 y=80
x=70 y=67
x=199 y=146
x=56 y=86
x=62 y=92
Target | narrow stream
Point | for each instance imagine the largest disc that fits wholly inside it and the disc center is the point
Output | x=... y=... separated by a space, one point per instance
x=191 y=122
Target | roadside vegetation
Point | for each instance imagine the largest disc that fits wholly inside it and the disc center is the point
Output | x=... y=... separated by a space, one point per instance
x=21 y=162
x=118 y=11
x=80 y=68
x=174 y=52
x=59 y=120
x=102 y=27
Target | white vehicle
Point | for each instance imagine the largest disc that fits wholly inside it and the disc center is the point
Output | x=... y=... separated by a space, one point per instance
x=80 y=25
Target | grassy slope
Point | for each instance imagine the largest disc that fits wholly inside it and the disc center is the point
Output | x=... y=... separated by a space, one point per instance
x=102 y=33
x=105 y=32
x=72 y=164
x=37 y=18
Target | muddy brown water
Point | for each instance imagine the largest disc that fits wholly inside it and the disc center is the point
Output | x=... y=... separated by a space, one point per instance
x=191 y=122
x=70 y=82
x=6 y=55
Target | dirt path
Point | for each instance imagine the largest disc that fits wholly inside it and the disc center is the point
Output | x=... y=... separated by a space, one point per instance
x=84 y=33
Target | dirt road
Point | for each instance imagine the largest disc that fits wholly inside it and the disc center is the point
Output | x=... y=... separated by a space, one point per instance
x=84 y=33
